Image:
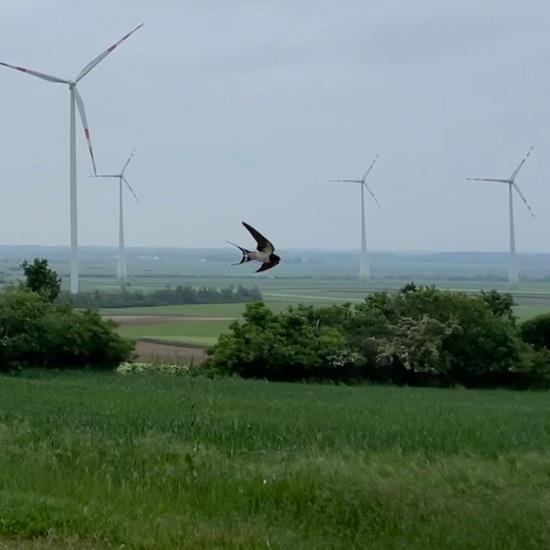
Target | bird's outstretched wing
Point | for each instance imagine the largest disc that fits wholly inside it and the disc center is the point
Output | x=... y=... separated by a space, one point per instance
x=263 y=244
x=265 y=266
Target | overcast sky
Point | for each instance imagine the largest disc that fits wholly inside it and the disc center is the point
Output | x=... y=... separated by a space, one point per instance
x=245 y=109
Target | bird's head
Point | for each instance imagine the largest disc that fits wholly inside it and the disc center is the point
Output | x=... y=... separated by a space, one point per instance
x=274 y=259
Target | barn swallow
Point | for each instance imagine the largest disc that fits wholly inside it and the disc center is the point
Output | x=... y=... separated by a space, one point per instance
x=264 y=251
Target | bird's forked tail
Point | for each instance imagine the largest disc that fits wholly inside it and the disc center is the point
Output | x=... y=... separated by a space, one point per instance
x=244 y=251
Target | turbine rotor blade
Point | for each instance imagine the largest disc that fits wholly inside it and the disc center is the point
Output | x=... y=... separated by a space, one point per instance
x=489 y=179
x=102 y=56
x=82 y=111
x=523 y=198
x=351 y=181
x=43 y=76
x=370 y=168
x=129 y=187
x=515 y=172
x=106 y=176
x=127 y=162
x=372 y=194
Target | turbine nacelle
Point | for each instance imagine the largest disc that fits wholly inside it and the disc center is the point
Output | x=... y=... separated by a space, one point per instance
x=362 y=181
x=511 y=181
x=120 y=176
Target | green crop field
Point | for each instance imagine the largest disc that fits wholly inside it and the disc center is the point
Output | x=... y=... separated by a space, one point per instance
x=527 y=306
x=205 y=333
x=150 y=461
x=188 y=310
x=200 y=333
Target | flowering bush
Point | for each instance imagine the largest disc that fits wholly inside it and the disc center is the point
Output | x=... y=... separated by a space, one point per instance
x=168 y=368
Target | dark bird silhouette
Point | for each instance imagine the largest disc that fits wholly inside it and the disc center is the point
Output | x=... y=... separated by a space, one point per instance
x=264 y=252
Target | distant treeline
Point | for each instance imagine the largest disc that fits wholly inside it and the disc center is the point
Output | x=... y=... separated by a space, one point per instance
x=161 y=297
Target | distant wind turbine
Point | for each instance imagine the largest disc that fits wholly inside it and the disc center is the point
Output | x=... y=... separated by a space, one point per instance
x=513 y=277
x=75 y=101
x=121 y=271
x=364 y=266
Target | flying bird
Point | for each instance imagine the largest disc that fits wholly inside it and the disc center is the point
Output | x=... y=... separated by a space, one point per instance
x=264 y=252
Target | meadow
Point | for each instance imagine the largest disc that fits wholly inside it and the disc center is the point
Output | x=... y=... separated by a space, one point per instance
x=152 y=461
x=196 y=324
x=195 y=333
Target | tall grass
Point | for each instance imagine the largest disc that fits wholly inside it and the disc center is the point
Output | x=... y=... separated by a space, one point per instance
x=159 y=461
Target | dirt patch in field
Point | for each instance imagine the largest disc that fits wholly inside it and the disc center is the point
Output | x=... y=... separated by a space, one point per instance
x=151 y=351
x=160 y=319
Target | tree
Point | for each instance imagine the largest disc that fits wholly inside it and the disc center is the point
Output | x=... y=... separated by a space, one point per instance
x=36 y=333
x=20 y=313
x=288 y=346
x=536 y=331
x=465 y=339
x=501 y=304
x=41 y=279
x=417 y=336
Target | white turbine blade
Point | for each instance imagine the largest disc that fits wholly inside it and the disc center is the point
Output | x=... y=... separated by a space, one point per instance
x=351 y=181
x=515 y=172
x=523 y=198
x=127 y=162
x=82 y=111
x=371 y=193
x=488 y=179
x=37 y=74
x=129 y=187
x=370 y=168
x=101 y=57
x=105 y=176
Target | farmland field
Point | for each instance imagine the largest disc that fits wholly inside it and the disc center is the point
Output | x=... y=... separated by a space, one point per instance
x=191 y=332
x=154 y=461
x=317 y=278
x=201 y=324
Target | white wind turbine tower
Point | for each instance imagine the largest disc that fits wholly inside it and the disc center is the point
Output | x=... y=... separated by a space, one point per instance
x=121 y=271
x=513 y=277
x=75 y=101
x=364 y=266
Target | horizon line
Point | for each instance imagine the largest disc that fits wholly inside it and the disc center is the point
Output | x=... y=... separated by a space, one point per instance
x=296 y=249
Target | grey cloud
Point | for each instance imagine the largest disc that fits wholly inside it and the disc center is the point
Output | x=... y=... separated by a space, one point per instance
x=231 y=103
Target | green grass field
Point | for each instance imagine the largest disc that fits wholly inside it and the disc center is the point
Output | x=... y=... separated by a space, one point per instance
x=190 y=310
x=200 y=333
x=154 y=462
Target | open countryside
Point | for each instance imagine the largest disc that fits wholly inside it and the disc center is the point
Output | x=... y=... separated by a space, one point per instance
x=274 y=275
x=316 y=278
x=151 y=460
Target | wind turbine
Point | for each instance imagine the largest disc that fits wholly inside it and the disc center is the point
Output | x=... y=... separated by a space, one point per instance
x=363 y=266
x=75 y=101
x=513 y=277
x=121 y=271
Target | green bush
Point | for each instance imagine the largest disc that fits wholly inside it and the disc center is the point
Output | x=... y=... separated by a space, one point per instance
x=417 y=336
x=70 y=339
x=283 y=347
x=422 y=335
x=536 y=331
x=36 y=333
x=20 y=313
x=533 y=371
